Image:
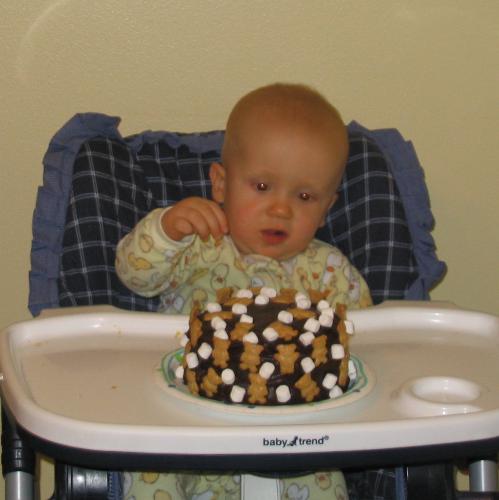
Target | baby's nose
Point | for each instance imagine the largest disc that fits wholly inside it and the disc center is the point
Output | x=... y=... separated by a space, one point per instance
x=280 y=208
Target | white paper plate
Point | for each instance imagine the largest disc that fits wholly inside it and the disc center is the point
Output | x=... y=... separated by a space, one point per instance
x=175 y=387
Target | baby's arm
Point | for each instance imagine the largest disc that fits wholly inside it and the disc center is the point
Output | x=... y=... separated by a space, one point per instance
x=149 y=258
x=146 y=257
x=327 y=269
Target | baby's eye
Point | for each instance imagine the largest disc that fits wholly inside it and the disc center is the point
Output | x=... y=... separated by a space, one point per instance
x=261 y=186
x=305 y=196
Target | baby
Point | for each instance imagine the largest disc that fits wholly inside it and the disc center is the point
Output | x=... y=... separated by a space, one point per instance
x=283 y=157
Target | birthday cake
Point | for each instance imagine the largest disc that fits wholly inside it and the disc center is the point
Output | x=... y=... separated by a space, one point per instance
x=263 y=347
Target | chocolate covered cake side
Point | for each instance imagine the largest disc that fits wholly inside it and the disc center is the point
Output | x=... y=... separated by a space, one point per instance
x=264 y=347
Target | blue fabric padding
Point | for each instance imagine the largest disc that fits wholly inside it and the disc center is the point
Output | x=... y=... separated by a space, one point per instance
x=197 y=142
x=50 y=212
x=400 y=484
x=409 y=176
x=115 y=486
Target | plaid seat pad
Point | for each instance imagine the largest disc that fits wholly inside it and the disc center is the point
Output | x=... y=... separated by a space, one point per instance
x=368 y=223
x=114 y=187
x=109 y=195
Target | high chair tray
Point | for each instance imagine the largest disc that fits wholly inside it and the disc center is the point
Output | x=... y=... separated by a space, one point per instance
x=88 y=381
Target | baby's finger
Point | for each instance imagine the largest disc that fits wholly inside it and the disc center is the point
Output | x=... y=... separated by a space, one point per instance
x=183 y=226
x=200 y=223
x=213 y=222
x=221 y=219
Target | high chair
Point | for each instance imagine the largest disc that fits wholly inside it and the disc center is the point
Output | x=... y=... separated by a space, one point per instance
x=98 y=185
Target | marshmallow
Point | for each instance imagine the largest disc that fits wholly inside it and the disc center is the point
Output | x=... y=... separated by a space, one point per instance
x=266 y=370
x=218 y=323
x=285 y=317
x=221 y=334
x=335 y=392
x=192 y=360
x=236 y=394
x=329 y=381
x=337 y=351
x=179 y=372
x=204 y=350
x=268 y=292
x=213 y=307
x=329 y=311
x=261 y=300
x=282 y=394
x=352 y=371
x=251 y=338
x=307 y=365
x=228 y=376
x=326 y=320
x=299 y=297
x=312 y=325
x=306 y=338
x=322 y=304
x=303 y=303
x=183 y=340
x=349 y=327
x=246 y=318
x=270 y=334
x=239 y=309
x=244 y=293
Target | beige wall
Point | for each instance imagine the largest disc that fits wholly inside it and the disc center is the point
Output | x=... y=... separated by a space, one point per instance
x=428 y=68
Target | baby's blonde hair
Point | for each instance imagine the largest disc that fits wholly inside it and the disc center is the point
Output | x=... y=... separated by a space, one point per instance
x=286 y=102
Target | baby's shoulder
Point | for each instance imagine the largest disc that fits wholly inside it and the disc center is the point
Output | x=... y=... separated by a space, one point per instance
x=321 y=250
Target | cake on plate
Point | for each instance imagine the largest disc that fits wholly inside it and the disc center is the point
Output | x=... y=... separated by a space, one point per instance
x=266 y=347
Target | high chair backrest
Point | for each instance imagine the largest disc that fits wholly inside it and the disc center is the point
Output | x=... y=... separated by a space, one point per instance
x=98 y=185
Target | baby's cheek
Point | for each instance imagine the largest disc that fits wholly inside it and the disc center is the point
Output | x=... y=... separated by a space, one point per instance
x=306 y=228
x=244 y=217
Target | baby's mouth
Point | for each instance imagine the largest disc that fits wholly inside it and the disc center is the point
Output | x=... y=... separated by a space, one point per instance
x=274 y=236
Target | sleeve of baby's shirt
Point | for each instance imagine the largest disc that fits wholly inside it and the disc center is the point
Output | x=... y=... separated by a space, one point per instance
x=147 y=259
x=360 y=295
x=344 y=282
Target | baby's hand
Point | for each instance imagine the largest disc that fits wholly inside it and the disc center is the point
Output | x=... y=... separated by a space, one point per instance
x=195 y=216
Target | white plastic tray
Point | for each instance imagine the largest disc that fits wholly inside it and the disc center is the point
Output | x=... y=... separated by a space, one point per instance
x=88 y=378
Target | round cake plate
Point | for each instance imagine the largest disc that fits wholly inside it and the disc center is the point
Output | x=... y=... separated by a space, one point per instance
x=175 y=387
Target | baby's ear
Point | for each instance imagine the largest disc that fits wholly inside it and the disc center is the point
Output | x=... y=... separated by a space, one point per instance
x=217 y=177
x=333 y=200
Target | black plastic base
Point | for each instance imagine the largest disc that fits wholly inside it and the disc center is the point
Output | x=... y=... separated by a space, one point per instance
x=16 y=454
x=431 y=482
x=77 y=483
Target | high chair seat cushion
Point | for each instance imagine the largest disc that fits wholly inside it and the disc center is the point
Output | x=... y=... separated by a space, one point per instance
x=98 y=185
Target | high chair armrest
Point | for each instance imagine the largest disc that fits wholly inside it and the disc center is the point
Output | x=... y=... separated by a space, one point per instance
x=67 y=311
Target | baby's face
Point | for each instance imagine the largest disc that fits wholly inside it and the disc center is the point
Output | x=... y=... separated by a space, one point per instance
x=276 y=194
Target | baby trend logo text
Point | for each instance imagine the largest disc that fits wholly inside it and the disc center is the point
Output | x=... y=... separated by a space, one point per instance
x=295 y=441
